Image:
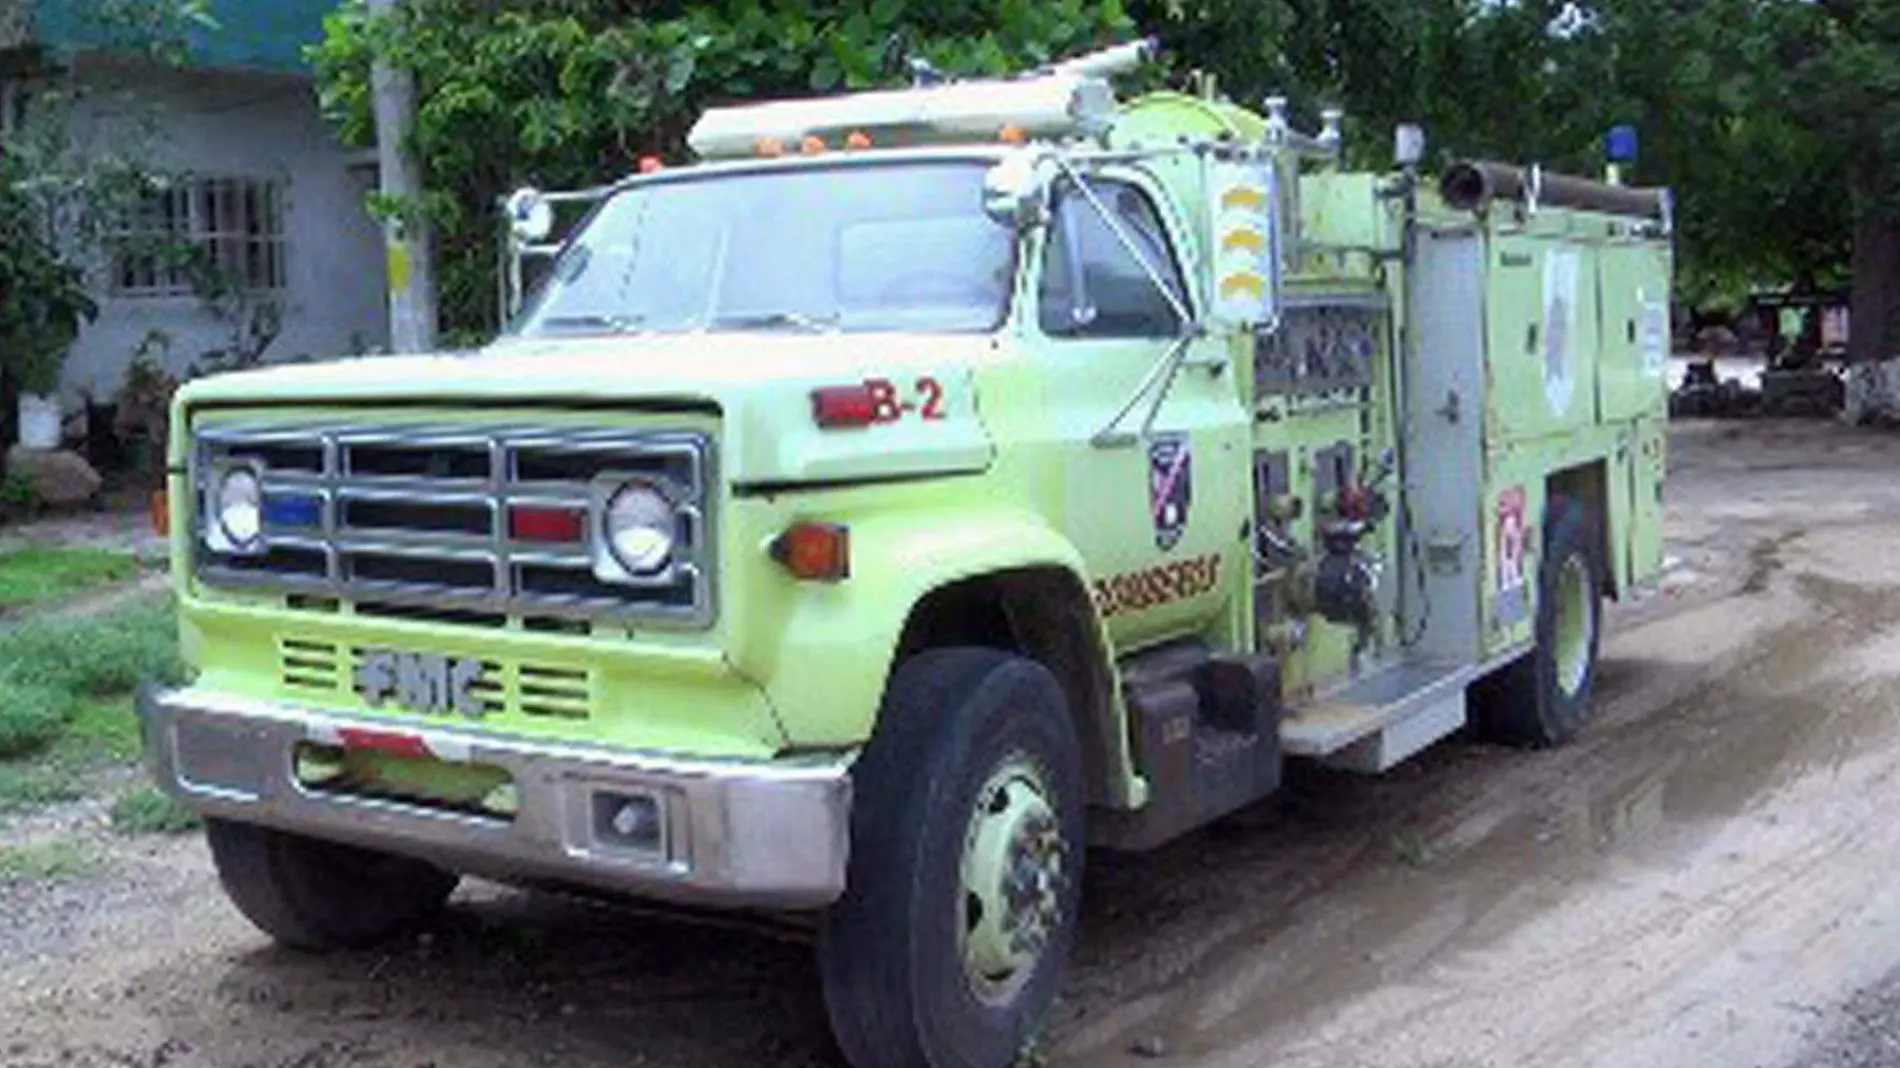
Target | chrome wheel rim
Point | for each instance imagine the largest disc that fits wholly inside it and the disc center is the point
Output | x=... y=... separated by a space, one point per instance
x=1575 y=625
x=1012 y=874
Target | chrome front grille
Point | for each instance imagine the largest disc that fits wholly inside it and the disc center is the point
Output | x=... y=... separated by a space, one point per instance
x=419 y=518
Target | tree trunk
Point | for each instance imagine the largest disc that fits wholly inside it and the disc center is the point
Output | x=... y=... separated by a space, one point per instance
x=1874 y=314
x=9 y=416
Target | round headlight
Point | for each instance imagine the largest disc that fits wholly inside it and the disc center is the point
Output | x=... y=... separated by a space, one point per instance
x=240 y=507
x=640 y=526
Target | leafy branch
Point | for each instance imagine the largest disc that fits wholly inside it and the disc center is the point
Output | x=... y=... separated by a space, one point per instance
x=564 y=93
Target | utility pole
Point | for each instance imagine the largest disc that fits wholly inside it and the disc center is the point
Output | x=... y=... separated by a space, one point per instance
x=408 y=253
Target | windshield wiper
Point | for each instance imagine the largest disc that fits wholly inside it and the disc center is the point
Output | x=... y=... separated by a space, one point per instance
x=769 y=320
x=612 y=324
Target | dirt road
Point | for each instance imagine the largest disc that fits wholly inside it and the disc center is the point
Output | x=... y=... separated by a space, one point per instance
x=1706 y=878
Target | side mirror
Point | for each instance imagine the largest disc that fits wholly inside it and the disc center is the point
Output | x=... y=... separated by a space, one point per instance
x=530 y=216
x=1016 y=191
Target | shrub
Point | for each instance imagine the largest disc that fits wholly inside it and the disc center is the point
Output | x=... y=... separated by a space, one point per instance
x=19 y=498
x=93 y=657
x=31 y=718
x=148 y=810
x=51 y=670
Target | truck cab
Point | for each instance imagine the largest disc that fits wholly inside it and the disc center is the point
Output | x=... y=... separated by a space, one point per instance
x=858 y=524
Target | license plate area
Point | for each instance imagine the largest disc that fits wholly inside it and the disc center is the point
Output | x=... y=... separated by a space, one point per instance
x=423 y=781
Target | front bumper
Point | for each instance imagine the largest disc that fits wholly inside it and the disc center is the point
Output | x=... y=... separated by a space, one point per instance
x=737 y=834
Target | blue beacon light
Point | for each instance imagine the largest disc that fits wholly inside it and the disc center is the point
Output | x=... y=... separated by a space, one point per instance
x=1620 y=146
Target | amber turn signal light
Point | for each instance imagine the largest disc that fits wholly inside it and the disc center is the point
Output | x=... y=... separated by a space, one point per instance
x=817 y=552
x=162 y=513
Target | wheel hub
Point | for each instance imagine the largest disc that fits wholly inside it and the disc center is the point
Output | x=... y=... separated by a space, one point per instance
x=1576 y=620
x=1013 y=864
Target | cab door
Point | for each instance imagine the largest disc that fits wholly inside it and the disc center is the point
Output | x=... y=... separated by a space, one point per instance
x=1157 y=515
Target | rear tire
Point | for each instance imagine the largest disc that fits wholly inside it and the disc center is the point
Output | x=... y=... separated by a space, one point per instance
x=1543 y=699
x=966 y=867
x=312 y=894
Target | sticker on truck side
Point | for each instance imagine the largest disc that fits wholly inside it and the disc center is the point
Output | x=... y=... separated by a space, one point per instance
x=1170 y=487
x=1138 y=591
x=1511 y=579
x=926 y=399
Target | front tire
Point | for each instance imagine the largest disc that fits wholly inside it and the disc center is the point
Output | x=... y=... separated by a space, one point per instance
x=307 y=893
x=1543 y=699
x=966 y=867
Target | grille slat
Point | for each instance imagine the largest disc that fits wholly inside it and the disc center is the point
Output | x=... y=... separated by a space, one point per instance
x=307 y=665
x=417 y=518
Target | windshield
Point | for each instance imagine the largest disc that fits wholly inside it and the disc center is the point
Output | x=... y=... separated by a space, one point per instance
x=857 y=248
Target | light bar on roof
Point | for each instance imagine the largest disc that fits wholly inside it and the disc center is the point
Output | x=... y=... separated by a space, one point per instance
x=1050 y=106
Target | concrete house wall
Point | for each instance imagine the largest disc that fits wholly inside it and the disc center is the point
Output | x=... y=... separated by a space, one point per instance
x=242 y=109
x=248 y=126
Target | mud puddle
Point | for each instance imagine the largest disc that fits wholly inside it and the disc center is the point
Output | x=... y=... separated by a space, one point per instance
x=1680 y=753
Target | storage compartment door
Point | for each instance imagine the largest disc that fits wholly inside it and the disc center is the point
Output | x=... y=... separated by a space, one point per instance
x=1634 y=282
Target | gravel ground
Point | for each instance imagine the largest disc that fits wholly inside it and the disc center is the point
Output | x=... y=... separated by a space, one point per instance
x=1867 y=1030
x=1704 y=878
x=122 y=519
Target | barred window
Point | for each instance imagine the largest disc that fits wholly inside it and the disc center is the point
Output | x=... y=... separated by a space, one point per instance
x=233 y=226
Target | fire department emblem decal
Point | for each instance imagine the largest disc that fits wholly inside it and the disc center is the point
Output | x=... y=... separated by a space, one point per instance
x=1170 y=487
x=1512 y=575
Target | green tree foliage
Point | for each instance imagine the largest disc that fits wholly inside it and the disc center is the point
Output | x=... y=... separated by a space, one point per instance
x=1844 y=74
x=43 y=298
x=564 y=93
x=1714 y=87
x=1776 y=121
x=59 y=198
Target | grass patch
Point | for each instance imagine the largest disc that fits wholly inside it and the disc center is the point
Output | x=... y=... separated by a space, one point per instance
x=66 y=705
x=148 y=810
x=28 y=786
x=101 y=729
x=66 y=684
x=32 y=717
x=39 y=573
x=49 y=860
x=93 y=656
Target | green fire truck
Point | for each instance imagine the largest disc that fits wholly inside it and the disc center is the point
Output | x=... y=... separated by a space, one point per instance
x=927 y=485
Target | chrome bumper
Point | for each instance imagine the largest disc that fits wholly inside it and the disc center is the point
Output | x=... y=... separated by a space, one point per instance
x=762 y=835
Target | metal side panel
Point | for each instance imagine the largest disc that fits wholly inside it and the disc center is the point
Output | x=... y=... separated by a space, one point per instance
x=1444 y=383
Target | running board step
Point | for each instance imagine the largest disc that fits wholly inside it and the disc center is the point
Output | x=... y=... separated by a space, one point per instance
x=1373 y=723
